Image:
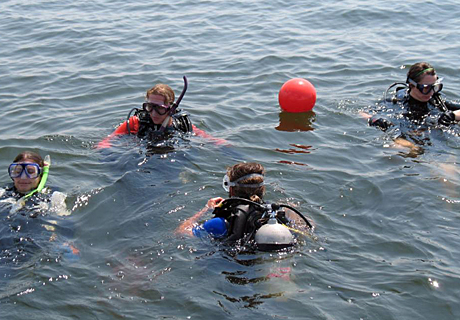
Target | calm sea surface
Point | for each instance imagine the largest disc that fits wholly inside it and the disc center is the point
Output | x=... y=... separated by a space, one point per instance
x=387 y=240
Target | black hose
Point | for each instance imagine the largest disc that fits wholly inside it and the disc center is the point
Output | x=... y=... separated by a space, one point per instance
x=266 y=207
x=394 y=84
x=127 y=120
x=298 y=212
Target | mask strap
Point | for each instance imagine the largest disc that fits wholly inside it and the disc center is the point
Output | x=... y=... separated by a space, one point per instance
x=252 y=175
x=423 y=71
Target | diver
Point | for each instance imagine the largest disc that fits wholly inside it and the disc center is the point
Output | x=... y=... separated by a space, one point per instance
x=420 y=100
x=29 y=173
x=244 y=218
x=27 y=202
x=158 y=118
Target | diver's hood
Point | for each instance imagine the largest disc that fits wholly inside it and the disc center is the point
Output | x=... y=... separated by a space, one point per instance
x=273 y=236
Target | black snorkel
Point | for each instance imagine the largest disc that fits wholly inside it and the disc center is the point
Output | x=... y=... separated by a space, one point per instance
x=173 y=108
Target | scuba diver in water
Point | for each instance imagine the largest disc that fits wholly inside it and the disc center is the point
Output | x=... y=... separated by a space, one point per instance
x=420 y=99
x=245 y=218
x=29 y=198
x=158 y=118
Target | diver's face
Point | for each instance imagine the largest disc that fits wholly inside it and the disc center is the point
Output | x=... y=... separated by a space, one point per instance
x=417 y=95
x=156 y=117
x=23 y=183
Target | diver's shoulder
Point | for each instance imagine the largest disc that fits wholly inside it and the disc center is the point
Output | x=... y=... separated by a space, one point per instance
x=182 y=122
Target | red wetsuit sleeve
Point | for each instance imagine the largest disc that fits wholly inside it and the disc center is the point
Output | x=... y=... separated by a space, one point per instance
x=121 y=130
x=204 y=134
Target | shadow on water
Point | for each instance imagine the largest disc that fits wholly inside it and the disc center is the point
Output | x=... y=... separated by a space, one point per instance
x=291 y=122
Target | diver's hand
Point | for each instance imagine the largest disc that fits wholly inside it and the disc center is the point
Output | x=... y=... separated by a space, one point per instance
x=382 y=123
x=214 y=202
x=446 y=118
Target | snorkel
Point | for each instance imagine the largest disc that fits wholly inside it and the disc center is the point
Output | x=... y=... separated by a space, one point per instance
x=174 y=107
x=46 y=170
x=22 y=201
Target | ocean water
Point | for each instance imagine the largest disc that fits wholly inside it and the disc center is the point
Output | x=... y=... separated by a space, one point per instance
x=387 y=218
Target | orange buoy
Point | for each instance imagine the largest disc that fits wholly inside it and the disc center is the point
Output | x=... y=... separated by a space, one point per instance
x=297 y=95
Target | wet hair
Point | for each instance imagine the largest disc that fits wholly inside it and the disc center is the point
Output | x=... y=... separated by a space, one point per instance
x=418 y=70
x=30 y=156
x=162 y=90
x=241 y=169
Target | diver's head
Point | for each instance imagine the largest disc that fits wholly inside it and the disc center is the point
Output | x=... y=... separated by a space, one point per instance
x=158 y=102
x=245 y=180
x=423 y=81
x=26 y=171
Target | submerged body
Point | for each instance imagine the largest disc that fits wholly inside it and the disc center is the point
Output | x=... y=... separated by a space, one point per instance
x=416 y=108
x=263 y=226
x=436 y=111
x=31 y=214
x=158 y=118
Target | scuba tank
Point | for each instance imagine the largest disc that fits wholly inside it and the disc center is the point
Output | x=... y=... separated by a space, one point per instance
x=273 y=235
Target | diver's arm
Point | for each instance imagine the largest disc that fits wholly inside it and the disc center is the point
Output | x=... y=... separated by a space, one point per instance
x=204 y=134
x=382 y=123
x=452 y=106
x=187 y=226
x=121 y=130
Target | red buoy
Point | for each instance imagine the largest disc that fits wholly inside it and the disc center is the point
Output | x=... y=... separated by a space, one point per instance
x=297 y=95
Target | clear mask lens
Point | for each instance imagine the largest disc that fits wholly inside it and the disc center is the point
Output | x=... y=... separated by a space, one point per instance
x=160 y=109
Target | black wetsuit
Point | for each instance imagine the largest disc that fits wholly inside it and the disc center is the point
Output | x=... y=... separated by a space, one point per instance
x=149 y=130
x=419 y=113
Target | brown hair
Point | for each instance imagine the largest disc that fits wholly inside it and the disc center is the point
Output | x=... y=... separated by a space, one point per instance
x=240 y=170
x=418 y=70
x=162 y=90
x=31 y=156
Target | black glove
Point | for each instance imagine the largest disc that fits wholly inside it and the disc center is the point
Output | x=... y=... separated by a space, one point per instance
x=382 y=123
x=446 y=118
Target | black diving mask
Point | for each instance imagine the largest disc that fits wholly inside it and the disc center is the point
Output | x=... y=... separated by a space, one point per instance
x=426 y=88
x=160 y=109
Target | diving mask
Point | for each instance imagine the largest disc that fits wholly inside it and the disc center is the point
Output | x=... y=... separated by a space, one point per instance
x=426 y=88
x=226 y=183
x=32 y=170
